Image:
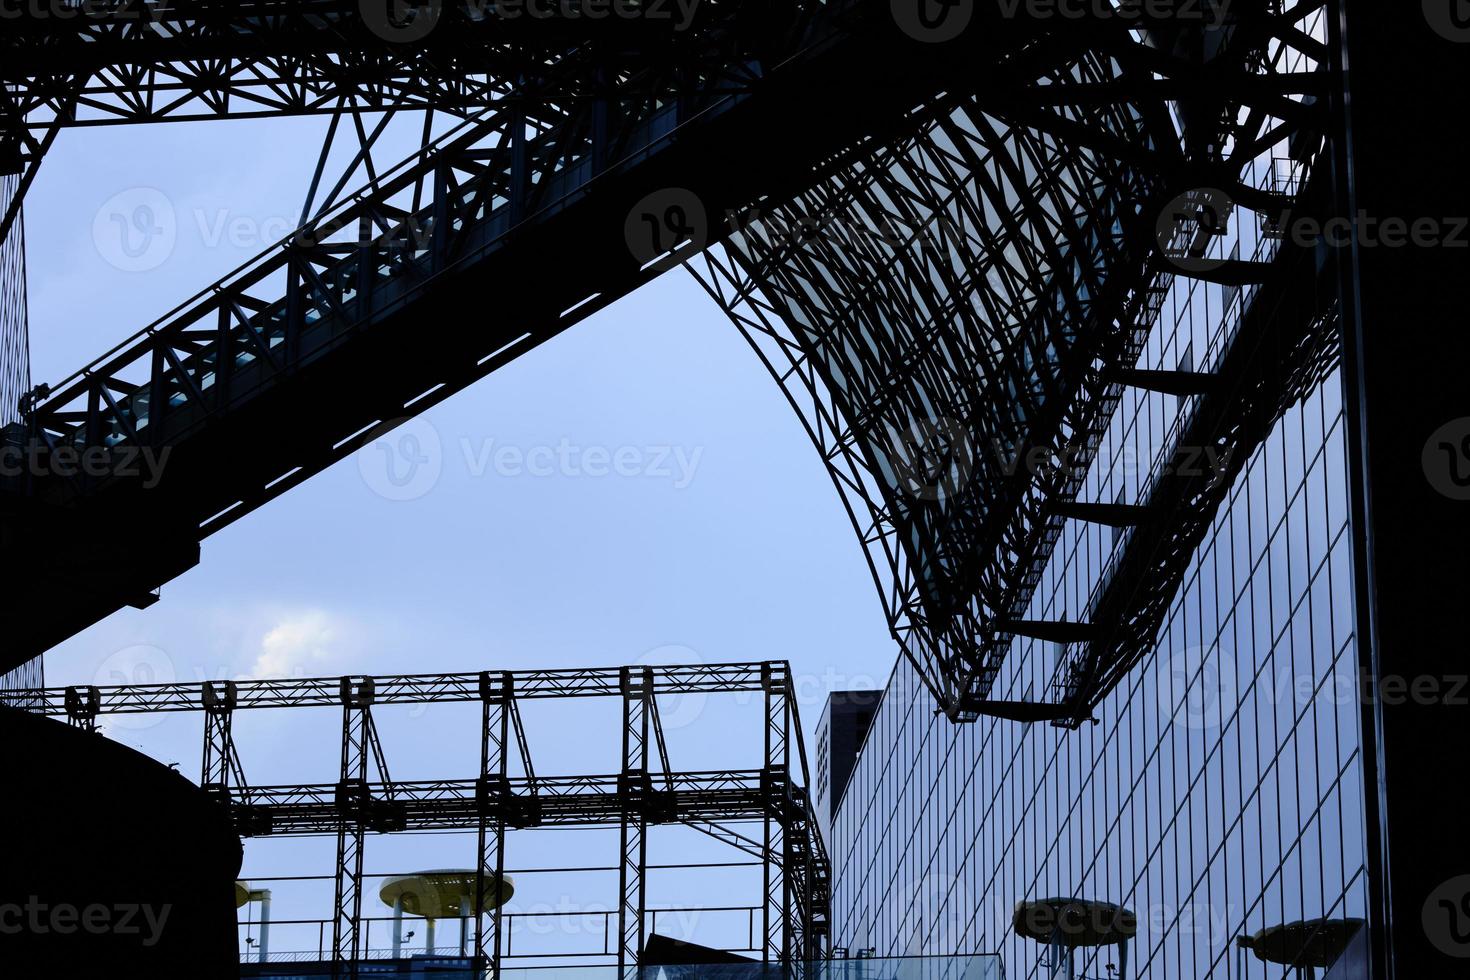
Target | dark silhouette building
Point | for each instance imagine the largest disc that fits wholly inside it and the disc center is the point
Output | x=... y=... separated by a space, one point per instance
x=115 y=864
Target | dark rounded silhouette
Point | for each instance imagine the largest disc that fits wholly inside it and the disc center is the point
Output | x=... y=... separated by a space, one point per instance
x=115 y=864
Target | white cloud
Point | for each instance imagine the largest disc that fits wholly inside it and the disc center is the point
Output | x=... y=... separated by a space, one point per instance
x=302 y=644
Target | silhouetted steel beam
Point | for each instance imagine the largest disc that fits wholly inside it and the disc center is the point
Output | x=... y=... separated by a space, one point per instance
x=1285 y=343
x=1181 y=383
x=1026 y=712
x=1109 y=515
x=408 y=689
x=1049 y=631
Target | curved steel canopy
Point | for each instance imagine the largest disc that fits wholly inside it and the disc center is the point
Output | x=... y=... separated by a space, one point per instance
x=939 y=312
x=949 y=295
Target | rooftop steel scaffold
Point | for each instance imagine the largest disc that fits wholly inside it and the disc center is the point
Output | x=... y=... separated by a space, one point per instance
x=508 y=794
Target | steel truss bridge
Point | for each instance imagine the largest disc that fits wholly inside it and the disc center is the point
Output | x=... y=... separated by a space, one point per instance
x=508 y=794
x=949 y=255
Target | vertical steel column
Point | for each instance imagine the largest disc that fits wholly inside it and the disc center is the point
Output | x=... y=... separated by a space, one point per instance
x=520 y=163
x=1400 y=69
x=805 y=941
x=353 y=800
x=602 y=116
x=82 y=705
x=776 y=775
x=637 y=686
x=219 y=741
x=493 y=796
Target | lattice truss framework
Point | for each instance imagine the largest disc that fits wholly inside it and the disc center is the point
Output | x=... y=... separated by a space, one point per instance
x=496 y=199
x=143 y=61
x=922 y=339
x=456 y=202
x=954 y=318
x=969 y=302
x=765 y=813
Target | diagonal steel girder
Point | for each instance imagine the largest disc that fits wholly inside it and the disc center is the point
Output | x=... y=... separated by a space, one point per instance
x=113 y=62
x=374 y=293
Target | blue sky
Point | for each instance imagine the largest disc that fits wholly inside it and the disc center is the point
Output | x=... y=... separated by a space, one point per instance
x=635 y=491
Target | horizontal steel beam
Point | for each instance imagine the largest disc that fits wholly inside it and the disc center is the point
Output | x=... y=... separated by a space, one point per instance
x=1181 y=383
x=1108 y=515
x=565 y=801
x=324 y=692
x=1284 y=344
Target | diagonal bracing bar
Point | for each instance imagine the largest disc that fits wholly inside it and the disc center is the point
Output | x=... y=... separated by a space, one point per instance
x=648 y=791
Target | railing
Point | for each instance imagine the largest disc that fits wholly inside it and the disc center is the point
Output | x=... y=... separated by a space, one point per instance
x=977 y=966
x=448 y=942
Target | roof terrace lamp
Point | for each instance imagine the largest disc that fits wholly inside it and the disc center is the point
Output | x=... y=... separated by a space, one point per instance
x=435 y=895
x=1065 y=925
x=244 y=895
x=1308 y=946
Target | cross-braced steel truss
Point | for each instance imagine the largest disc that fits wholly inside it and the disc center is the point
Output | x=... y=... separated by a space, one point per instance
x=648 y=792
x=367 y=299
x=116 y=62
x=951 y=273
x=955 y=315
x=1285 y=345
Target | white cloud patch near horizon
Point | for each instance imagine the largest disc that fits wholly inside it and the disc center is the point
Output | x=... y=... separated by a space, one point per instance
x=301 y=644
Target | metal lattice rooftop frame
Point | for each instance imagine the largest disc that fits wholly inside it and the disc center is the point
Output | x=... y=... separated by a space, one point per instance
x=951 y=270
x=646 y=792
x=141 y=61
x=369 y=299
x=930 y=356
x=1008 y=269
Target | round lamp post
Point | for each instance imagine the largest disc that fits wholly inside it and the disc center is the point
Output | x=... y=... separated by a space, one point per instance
x=434 y=895
x=244 y=895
